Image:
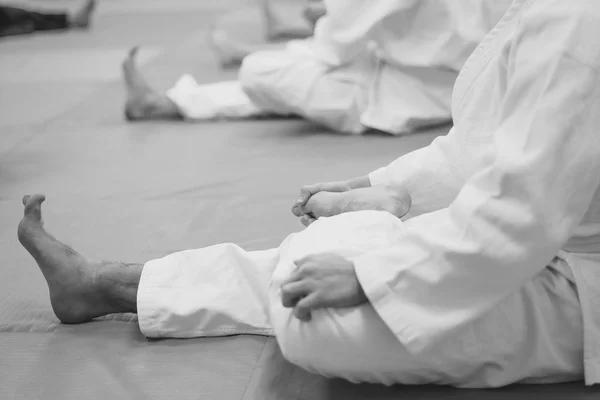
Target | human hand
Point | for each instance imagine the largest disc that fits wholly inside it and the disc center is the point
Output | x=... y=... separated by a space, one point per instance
x=307 y=191
x=321 y=281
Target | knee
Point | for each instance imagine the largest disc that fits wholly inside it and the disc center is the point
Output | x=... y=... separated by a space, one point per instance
x=252 y=71
x=297 y=344
x=261 y=75
x=301 y=354
x=289 y=340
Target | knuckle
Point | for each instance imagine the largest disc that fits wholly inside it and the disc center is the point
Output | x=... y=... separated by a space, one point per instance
x=318 y=297
x=312 y=188
x=301 y=309
x=305 y=272
x=302 y=270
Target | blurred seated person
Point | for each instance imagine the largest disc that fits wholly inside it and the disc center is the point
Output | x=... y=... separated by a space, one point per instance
x=277 y=22
x=20 y=21
x=382 y=65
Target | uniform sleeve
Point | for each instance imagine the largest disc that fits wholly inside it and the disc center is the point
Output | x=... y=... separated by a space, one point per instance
x=510 y=219
x=433 y=175
x=345 y=31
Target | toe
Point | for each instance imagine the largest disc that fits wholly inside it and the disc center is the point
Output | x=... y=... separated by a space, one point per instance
x=34 y=205
x=133 y=52
x=131 y=113
x=128 y=62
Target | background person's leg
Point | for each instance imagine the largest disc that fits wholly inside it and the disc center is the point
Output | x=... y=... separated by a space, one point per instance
x=49 y=21
x=15 y=21
x=286 y=82
x=292 y=82
x=185 y=100
x=18 y=21
x=82 y=17
x=285 y=19
x=404 y=100
x=220 y=100
x=231 y=51
x=313 y=11
x=143 y=102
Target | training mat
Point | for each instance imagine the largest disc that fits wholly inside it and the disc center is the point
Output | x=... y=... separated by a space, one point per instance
x=134 y=192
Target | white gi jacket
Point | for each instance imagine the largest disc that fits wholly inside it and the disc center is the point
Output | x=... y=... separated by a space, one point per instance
x=513 y=184
x=420 y=45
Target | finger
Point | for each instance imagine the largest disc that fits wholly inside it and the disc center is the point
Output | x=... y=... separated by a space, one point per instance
x=301 y=263
x=297 y=275
x=302 y=271
x=291 y=302
x=303 y=308
x=298 y=210
x=306 y=192
x=292 y=292
x=307 y=219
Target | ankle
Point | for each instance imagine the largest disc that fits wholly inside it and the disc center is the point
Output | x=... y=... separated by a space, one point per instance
x=147 y=104
x=118 y=284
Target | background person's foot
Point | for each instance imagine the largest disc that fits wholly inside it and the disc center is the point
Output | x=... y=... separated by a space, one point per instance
x=227 y=51
x=313 y=11
x=143 y=102
x=71 y=278
x=395 y=200
x=82 y=17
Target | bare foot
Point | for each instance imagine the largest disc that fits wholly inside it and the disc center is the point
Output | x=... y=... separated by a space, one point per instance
x=143 y=102
x=81 y=18
x=75 y=294
x=395 y=200
x=313 y=11
x=228 y=52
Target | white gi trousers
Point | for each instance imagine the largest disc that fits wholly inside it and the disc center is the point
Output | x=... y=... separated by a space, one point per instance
x=535 y=335
x=366 y=94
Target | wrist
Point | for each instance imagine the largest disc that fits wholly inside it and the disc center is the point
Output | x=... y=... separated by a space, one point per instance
x=359 y=183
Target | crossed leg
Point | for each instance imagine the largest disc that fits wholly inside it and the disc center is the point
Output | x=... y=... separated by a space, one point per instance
x=541 y=324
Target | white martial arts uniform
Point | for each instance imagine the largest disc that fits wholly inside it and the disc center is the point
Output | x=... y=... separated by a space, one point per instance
x=388 y=65
x=494 y=279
